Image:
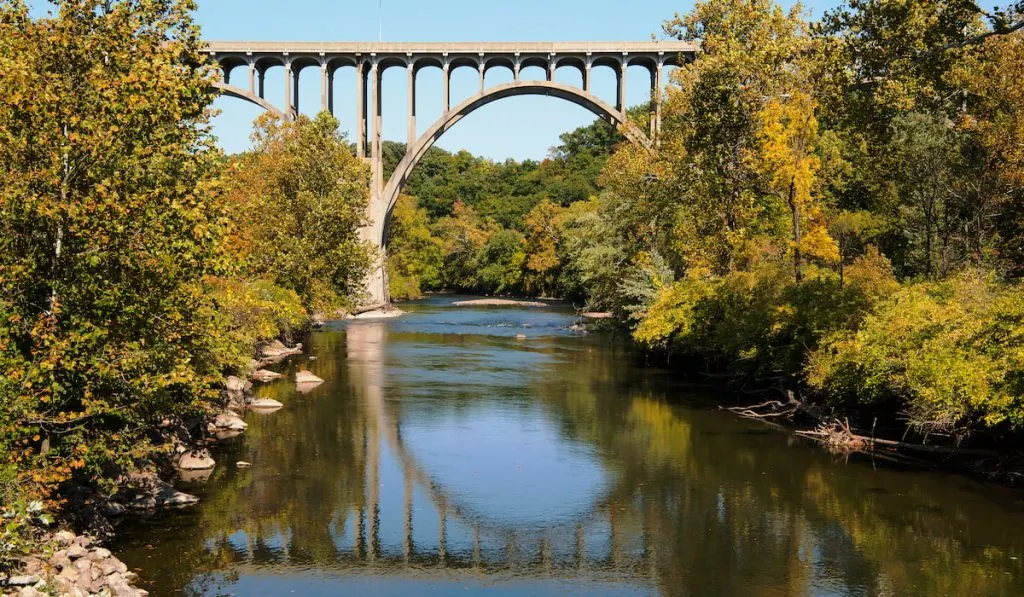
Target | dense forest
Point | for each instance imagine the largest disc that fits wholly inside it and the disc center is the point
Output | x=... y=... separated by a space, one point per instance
x=833 y=207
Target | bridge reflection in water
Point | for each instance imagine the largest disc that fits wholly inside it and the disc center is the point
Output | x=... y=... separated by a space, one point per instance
x=444 y=454
x=602 y=539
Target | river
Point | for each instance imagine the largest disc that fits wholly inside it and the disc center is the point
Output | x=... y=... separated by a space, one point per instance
x=445 y=455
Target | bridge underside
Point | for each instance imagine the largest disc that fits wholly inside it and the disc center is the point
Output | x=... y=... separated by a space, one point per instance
x=371 y=60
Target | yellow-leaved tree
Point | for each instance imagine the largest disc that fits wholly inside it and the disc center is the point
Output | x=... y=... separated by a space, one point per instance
x=785 y=155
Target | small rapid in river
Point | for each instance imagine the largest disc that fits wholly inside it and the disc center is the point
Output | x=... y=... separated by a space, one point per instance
x=497 y=450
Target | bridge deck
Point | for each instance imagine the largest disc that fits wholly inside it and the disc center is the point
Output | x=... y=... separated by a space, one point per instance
x=473 y=48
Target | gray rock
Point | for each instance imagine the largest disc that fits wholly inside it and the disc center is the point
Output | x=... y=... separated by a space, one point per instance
x=77 y=551
x=265 y=376
x=170 y=497
x=223 y=435
x=265 y=404
x=69 y=574
x=30 y=592
x=113 y=509
x=64 y=537
x=234 y=384
x=85 y=576
x=305 y=377
x=197 y=460
x=98 y=585
x=142 y=502
x=230 y=422
x=22 y=580
x=119 y=587
x=102 y=553
x=60 y=560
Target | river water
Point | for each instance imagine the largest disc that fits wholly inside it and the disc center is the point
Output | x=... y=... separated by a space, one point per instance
x=445 y=455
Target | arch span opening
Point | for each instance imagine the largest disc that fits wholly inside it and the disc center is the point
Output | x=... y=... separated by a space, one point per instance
x=570 y=93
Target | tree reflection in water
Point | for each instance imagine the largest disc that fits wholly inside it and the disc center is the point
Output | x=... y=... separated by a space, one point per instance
x=643 y=489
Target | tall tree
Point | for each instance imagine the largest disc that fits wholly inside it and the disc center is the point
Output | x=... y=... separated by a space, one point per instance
x=108 y=224
x=300 y=197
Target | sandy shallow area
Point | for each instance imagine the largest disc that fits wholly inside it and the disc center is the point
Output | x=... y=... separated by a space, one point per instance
x=379 y=314
x=498 y=303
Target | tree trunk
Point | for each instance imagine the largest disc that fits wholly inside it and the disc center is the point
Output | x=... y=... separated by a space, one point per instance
x=798 y=266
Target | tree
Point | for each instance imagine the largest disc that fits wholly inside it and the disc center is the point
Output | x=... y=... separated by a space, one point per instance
x=299 y=198
x=415 y=255
x=787 y=158
x=543 y=235
x=108 y=225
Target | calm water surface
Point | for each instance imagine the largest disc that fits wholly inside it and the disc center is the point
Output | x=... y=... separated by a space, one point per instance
x=444 y=456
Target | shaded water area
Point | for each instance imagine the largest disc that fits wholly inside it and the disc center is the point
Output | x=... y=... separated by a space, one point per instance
x=444 y=455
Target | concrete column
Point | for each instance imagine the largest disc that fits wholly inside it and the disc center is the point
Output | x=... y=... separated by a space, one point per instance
x=360 y=110
x=330 y=92
x=263 y=77
x=482 y=83
x=660 y=84
x=621 y=99
x=288 y=90
x=446 y=78
x=324 y=86
x=515 y=71
x=252 y=78
x=295 y=92
x=375 y=106
x=655 y=108
x=586 y=78
x=552 y=66
x=411 y=98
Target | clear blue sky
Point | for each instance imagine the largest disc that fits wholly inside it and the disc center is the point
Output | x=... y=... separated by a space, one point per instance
x=524 y=127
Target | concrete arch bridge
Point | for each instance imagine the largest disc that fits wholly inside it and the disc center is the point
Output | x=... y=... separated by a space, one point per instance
x=371 y=60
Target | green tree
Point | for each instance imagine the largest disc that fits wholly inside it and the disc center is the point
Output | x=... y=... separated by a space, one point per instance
x=415 y=255
x=108 y=225
x=298 y=200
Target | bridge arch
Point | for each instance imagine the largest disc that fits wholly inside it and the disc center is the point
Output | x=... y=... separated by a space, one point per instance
x=570 y=93
x=242 y=94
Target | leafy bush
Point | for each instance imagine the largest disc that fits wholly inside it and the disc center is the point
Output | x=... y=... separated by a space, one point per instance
x=948 y=355
x=761 y=322
x=251 y=311
x=20 y=530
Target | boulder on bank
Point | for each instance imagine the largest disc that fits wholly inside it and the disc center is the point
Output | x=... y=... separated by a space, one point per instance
x=597 y=315
x=305 y=377
x=145 y=491
x=238 y=390
x=264 y=376
x=229 y=421
x=196 y=460
x=498 y=303
x=265 y=405
x=276 y=351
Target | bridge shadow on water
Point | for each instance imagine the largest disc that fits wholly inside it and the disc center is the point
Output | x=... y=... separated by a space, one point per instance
x=445 y=454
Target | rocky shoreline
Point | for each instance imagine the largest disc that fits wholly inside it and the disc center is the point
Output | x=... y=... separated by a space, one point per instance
x=77 y=565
